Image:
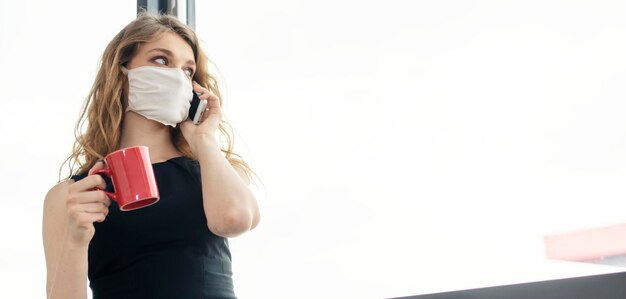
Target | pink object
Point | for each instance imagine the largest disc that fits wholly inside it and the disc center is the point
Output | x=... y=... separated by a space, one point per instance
x=587 y=245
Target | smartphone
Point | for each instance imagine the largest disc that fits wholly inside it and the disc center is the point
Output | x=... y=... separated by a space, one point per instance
x=197 y=109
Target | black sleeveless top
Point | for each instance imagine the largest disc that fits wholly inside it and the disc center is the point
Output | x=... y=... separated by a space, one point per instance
x=164 y=250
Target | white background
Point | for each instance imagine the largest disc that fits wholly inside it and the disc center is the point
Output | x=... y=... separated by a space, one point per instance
x=405 y=147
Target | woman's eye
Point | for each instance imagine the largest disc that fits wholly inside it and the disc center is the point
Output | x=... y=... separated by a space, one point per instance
x=160 y=60
x=189 y=72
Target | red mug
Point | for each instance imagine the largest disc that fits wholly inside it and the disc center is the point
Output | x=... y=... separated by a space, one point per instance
x=133 y=179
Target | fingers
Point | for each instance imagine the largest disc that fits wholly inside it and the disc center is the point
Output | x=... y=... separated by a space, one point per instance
x=99 y=165
x=95 y=196
x=213 y=102
x=88 y=207
x=88 y=183
x=213 y=108
x=85 y=205
x=84 y=190
x=93 y=208
x=203 y=92
x=92 y=180
x=86 y=214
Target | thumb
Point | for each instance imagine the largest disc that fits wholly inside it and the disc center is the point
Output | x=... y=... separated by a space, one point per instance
x=185 y=127
x=185 y=124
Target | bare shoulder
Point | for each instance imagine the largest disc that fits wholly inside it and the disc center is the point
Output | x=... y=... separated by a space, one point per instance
x=54 y=224
x=54 y=213
x=54 y=208
x=56 y=194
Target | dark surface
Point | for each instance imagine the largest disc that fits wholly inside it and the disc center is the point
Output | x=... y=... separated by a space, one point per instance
x=605 y=286
x=165 y=250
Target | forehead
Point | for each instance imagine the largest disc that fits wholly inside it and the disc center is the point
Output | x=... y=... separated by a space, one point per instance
x=170 y=41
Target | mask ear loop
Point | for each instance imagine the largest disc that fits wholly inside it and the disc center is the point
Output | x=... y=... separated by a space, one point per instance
x=124 y=70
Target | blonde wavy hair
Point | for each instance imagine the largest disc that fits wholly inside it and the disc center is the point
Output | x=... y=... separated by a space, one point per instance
x=104 y=108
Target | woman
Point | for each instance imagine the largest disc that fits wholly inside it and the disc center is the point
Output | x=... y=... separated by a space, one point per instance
x=178 y=247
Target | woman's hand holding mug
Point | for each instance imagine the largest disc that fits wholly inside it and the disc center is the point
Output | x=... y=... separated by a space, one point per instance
x=86 y=205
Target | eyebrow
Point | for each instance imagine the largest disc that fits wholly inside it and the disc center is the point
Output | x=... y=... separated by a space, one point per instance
x=169 y=53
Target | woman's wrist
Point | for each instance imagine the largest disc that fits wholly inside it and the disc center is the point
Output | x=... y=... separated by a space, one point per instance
x=203 y=143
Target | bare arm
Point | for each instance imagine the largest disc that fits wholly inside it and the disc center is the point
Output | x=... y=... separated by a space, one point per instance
x=229 y=204
x=66 y=264
x=69 y=212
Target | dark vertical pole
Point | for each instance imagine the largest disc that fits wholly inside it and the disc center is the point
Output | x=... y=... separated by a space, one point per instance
x=170 y=7
x=191 y=14
x=151 y=6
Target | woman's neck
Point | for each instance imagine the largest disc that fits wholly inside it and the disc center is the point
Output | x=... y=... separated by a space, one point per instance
x=140 y=131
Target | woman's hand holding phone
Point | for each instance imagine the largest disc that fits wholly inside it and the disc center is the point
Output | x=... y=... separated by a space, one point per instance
x=209 y=122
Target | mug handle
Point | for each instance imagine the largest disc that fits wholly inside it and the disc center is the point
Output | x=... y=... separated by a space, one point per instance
x=106 y=172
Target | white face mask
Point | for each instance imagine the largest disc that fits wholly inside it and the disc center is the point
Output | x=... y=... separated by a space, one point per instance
x=161 y=94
